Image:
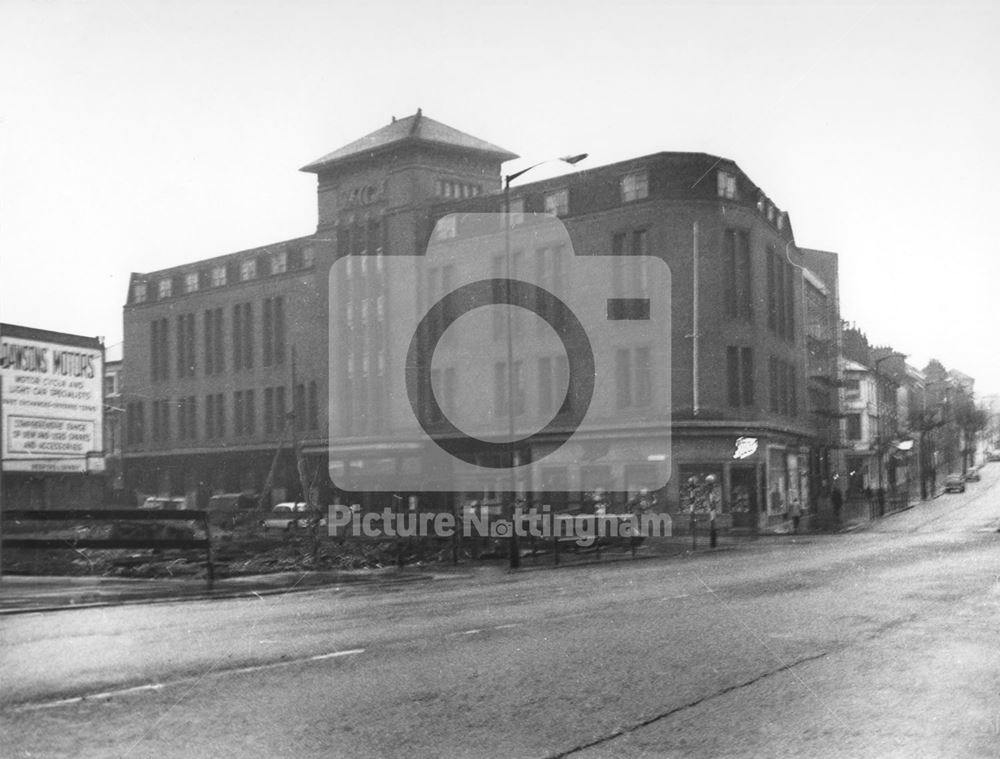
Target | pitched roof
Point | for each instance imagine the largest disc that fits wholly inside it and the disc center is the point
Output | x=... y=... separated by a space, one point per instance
x=412 y=129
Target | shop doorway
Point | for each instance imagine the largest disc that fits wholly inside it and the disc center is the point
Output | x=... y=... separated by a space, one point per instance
x=743 y=496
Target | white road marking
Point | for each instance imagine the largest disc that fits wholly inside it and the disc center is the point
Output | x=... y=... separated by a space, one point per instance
x=149 y=687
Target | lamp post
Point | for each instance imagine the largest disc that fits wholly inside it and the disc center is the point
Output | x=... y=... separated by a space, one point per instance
x=515 y=556
x=878 y=417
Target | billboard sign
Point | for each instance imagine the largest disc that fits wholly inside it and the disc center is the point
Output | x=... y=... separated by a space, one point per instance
x=51 y=386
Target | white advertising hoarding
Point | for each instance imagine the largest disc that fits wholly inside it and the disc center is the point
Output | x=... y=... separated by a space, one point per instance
x=52 y=397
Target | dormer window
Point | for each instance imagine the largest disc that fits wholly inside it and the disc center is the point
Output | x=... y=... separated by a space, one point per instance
x=727 y=185
x=218 y=276
x=770 y=212
x=557 y=202
x=165 y=288
x=139 y=293
x=248 y=270
x=635 y=186
x=781 y=220
x=279 y=262
x=191 y=282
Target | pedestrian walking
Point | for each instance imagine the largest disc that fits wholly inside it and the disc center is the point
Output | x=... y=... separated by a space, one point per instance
x=795 y=512
x=837 y=498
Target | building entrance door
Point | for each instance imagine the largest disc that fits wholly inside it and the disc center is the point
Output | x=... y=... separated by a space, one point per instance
x=743 y=503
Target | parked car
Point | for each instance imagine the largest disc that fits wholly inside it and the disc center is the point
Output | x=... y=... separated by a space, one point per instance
x=164 y=502
x=954 y=483
x=290 y=516
x=972 y=475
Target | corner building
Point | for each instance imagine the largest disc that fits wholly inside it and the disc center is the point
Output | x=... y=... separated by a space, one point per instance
x=734 y=361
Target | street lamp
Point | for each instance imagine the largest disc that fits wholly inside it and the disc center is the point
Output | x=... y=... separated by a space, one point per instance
x=878 y=416
x=515 y=556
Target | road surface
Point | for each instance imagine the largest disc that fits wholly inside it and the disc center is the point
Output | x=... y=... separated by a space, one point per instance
x=883 y=642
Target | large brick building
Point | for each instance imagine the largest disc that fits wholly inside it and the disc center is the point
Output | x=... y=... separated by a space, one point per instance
x=201 y=355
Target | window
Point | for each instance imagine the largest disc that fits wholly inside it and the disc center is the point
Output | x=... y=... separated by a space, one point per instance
x=191 y=282
x=557 y=202
x=161 y=421
x=159 y=348
x=214 y=361
x=242 y=336
x=274 y=409
x=632 y=280
x=853 y=426
x=643 y=377
x=737 y=292
x=739 y=376
x=274 y=331
x=517 y=212
x=852 y=387
x=499 y=273
x=185 y=345
x=186 y=418
x=218 y=276
x=279 y=262
x=299 y=405
x=773 y=380
x=726 y=185
x=135 y=413
x=446 y=228
x=243 y=412
x=623 y=378
x=633 y=377
x=500 y=386
x=165 y=288
x=780 y=295
x=139 y=293
x=635 y=186
x=545 y=390
x=733 y=376
x=215 y=416
x=248 y=269
x=308 y=258
x=746 y=361
x=784 y=387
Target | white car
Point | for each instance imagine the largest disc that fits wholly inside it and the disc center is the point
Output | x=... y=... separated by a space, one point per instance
x=290 y=516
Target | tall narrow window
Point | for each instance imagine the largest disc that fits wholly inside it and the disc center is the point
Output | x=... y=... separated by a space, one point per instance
x=733 y=375
x=500 y=389
x=623 y=378
x=643 y=377
x=269 y=410
x=746 y=360
x=730 y=305
x=545 y=401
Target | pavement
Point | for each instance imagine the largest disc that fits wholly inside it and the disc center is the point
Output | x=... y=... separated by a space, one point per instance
x=21 y=594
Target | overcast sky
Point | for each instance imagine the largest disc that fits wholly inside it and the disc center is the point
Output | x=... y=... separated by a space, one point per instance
x=137 y=135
